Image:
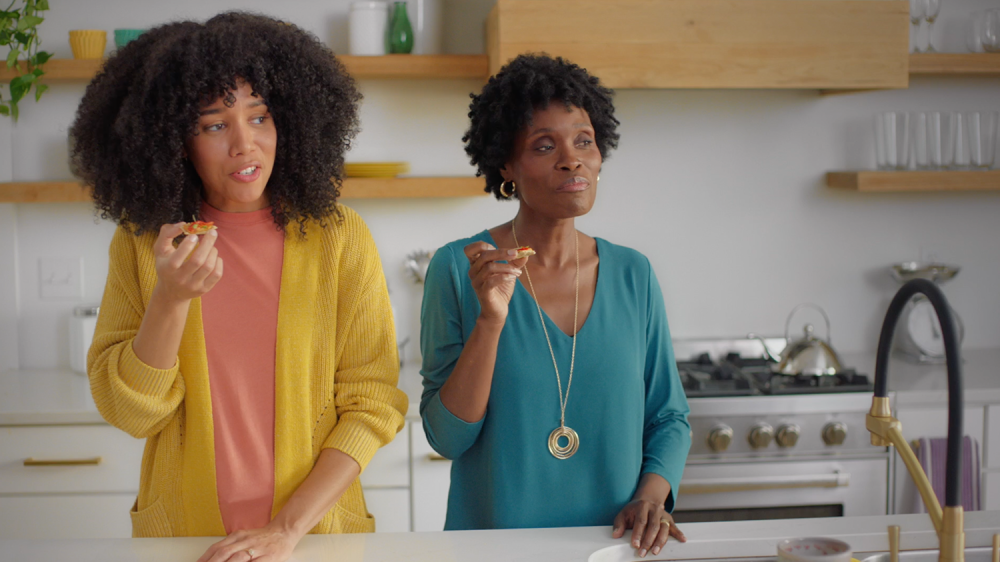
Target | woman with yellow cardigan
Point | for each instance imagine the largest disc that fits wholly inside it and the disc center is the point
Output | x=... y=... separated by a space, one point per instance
x=257 y=358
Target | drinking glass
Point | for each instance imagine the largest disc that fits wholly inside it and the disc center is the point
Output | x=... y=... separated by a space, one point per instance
x=956 y=149
x=921 y=155
x=974 y=32
x=935 y=160
x=982 y=135
x=991 y=31
x=931 y=10
x=892 y=140
x=916 y=16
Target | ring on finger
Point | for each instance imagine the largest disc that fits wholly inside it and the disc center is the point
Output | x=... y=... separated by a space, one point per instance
x=251 y=552
x=665 y=521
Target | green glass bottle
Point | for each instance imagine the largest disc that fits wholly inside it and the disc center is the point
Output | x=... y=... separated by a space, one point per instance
x=400 y=31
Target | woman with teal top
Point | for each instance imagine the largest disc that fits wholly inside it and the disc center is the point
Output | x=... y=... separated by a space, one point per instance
x=557 y=396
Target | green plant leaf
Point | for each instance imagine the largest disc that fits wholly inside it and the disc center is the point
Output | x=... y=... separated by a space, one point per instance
x=12 y=57
x=36 y=73
x=42 y=5
x=19 y=87
x=29 y=21
x=22 y=38
x=39 y=90
x=40 y=58
x=4 y=110
x=14 y=113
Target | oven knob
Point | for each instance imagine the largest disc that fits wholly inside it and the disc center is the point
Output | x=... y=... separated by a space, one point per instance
x=719 y=438
x=834 y=433
x=787 y=436
x=760 y=436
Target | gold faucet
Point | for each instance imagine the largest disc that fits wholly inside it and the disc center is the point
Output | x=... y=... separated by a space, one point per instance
x=887 y=431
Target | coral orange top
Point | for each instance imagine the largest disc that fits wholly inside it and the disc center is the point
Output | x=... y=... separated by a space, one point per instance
x=240 y=315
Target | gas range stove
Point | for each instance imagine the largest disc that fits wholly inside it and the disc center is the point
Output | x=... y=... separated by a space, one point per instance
x=708 y=368
x=766 y=445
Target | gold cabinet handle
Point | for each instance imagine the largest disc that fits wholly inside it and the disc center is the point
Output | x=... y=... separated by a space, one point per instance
x=94 y=461
x=436 y=457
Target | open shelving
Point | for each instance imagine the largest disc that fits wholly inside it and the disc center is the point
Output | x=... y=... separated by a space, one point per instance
x=388 y=66
x=353 y=188
x=877 y=181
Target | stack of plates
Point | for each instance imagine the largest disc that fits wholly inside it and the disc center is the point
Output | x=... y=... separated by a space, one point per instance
x=375 y=169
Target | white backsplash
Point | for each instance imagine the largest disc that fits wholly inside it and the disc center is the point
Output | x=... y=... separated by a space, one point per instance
x=722 y=190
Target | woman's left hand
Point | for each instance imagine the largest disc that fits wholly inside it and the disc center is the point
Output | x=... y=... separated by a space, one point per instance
x=267 y=544
x=651 y=526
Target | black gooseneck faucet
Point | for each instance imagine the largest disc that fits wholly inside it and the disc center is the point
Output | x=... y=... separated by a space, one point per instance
x=886 y=429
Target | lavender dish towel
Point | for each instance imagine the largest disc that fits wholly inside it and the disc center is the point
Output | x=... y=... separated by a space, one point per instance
x=933 y=456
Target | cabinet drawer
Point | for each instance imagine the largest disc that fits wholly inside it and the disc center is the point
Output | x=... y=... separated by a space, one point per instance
x=103 y=516
x=391 y=508
x=389 y=468
x=117 y=469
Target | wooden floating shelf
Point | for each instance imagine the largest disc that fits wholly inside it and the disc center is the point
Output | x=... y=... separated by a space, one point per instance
x=955 y=64
x=887 y=182
x=388 y=66
x=353 y=188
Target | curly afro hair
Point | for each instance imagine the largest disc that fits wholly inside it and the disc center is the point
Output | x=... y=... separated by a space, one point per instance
x=508 y=101
x=127 y=141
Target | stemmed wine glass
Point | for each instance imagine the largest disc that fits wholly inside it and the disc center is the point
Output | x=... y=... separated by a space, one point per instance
x=931 y=10
x=916 y=16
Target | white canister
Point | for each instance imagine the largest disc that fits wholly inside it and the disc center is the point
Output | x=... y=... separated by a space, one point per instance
x=425 y=17
x=81 y=334
x=368 y=27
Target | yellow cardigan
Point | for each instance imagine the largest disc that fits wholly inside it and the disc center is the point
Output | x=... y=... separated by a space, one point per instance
x=336 y=370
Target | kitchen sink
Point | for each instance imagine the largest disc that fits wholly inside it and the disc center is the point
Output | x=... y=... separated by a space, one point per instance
x=971 y=555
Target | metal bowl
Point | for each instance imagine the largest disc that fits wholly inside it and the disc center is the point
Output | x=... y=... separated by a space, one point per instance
x=936 y=272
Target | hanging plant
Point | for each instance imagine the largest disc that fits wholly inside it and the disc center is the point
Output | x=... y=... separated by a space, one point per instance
x=19 y=33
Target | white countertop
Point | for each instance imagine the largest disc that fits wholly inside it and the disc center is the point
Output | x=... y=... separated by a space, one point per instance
x=591 y=544
x=59 y=397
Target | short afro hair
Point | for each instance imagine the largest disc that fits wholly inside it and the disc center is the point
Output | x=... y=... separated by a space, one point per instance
x=508 y=101
x=128 y=139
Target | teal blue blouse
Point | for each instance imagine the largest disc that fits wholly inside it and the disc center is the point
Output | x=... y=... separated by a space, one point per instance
x=626 y=403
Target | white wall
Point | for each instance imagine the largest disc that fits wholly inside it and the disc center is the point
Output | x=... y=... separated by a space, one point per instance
x=723 y=190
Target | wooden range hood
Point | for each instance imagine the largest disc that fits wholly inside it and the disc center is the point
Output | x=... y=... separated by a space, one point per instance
x=806 y=44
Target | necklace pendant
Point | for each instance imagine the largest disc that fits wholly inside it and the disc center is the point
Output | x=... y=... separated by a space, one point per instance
x=572 y=442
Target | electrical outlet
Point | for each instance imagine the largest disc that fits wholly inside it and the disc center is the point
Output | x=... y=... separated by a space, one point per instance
x=60 y=278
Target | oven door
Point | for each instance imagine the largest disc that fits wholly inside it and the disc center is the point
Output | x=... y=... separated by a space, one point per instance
x=782 y=490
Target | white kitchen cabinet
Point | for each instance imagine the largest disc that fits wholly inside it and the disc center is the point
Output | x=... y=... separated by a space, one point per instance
x=930 y=422
x=991 y=491
x=431 y=480
x=84 y=516
x=390 y=506
x=89 y=498
x=390 y=467
x=991 y=437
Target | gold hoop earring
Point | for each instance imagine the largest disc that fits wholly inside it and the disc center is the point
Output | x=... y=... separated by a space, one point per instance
x=508 y=194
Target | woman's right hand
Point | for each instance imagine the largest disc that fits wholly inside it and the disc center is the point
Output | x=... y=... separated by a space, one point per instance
x=189 y=270
x=493 y=281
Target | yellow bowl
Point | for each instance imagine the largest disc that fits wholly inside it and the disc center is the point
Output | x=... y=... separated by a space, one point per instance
x=375 y=169
x=88 y=43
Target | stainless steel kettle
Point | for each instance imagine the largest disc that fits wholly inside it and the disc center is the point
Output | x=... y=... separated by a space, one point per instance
x=809 y=355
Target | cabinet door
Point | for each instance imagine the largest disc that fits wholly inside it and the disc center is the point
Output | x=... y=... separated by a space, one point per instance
x=390 y=467
x=929 y=422
x=391 y=508
x=431 y=479
x=83 y=516
x=991 y=491
x=992 y=431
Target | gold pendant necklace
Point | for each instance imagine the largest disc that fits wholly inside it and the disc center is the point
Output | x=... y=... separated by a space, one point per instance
x=572 y=439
